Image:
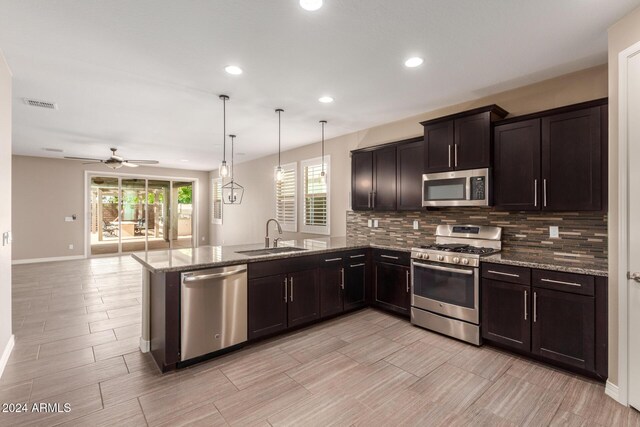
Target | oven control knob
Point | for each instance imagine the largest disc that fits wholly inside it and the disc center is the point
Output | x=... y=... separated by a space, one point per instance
x=425 y=256
x=465 y=261
x=456 y=260
x=440 y=257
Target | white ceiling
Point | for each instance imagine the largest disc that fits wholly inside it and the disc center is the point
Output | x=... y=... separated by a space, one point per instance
x=144 y=75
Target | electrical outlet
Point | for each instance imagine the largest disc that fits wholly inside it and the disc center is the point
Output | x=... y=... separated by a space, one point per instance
x=370 y=223
x=554 y=232
x=71 y=246
x=375 y=223
x=416 y=224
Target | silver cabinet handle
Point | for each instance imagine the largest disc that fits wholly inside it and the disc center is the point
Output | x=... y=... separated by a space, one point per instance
x=449 y=155
x=633 y=276
x=373 y=200
x=342 y=278
x=408 y=287
x=535 y=192
x=389 y=256
x=544 y=190
x=560 y=282
x=285 y=289
x=455 y=155
x=535 y=307
x=291 y=284
x=362 y=264
x=525 y=306
x=356 y=256
x=369 y=200
x=503 y=274
x=332 y=259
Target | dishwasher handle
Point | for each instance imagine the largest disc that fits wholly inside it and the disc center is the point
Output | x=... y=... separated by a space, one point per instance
x=201 y=277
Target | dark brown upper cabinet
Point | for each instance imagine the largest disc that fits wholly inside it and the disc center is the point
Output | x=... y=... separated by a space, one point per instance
x=373 y=179
x=552 y=161
x=460 y=141
x=410 y=159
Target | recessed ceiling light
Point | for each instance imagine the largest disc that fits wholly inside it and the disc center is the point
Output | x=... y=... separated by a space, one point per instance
x=233 y=69
x=325 y=99
x=413 y=62
x=311 y=5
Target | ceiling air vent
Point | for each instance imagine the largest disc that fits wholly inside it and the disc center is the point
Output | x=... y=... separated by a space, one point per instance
x=41 y=104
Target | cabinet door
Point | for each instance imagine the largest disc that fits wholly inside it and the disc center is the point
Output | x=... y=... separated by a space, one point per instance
x=572 y=161
x=516 y=172
x=267 y=309
x=331 y=280
x=438 y=147
x=362 y=180
x=564 y=327
x=354 y=285
x=304 y=297
x=384 y=179
x=392 y=287
x=410 y=167
x=472 y=142
x=506 y=314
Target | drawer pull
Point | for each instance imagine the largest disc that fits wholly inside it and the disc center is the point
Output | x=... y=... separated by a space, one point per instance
x=357 y=256
x=560 y=282
x=362 y=264
x=503 y=274
x=526 y=314
x=333 y=259
x=389 y=256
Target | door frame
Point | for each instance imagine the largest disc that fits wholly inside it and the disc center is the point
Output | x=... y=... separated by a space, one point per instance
x=621 y=391
x=171 y=179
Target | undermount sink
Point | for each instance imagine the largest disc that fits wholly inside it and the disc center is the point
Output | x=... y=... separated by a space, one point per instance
x=270 y=251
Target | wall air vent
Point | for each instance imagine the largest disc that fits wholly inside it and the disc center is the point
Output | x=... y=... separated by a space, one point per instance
x=41 y=104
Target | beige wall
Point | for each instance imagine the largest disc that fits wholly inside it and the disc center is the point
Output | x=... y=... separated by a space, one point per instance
x=245 y=223
x=45 y=191
x=5 y=205
x=621 y=35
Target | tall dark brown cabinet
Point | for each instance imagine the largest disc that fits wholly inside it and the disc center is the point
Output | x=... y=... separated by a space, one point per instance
x=373 y=179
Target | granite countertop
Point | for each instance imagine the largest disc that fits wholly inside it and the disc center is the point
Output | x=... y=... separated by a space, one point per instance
x=550 y=261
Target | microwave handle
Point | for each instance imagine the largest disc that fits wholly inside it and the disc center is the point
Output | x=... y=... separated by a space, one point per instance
x=468 y=188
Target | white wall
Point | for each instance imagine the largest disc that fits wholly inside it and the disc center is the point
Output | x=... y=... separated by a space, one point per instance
x=5 y=205
x=46 y=190
x=245 y=223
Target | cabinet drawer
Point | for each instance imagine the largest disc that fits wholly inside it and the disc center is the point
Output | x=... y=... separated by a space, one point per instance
x=333 y=258
x=281 y=266
x=507 y=273
x=392 y=257
x=566 y=282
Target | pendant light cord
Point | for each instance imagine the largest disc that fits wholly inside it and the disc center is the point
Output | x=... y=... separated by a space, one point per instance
x=279 y=136
x=224 y=129
x=232 y=141
x=323 y=122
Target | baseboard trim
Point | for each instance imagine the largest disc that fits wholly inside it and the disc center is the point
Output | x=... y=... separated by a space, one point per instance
x=145 y=346
x=612 y=391
x=50 y=259
x=7 y=352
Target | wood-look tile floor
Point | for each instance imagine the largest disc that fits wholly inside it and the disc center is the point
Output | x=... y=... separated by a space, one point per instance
x=77 y=325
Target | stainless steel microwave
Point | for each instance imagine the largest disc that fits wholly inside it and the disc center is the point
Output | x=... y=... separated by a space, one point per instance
x=456 y=188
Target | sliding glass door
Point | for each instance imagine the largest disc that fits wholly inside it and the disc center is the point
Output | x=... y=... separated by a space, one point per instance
x=131 y=214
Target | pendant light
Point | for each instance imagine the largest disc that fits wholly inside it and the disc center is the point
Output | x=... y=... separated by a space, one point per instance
x=323 y=175
x=279 y=171
x=223 y=170
x=232 y=192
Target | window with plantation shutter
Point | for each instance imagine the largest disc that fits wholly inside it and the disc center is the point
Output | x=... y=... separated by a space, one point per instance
x=315 y=215
x=216 y=201
x=286 y=206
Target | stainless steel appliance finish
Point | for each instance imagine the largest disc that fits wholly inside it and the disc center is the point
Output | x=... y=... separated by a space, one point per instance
x=445 y=288
x=213 y=310
x=456 y=188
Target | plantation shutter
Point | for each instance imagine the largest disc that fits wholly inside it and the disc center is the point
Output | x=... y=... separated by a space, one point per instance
x=315 y=198
x=286 y=199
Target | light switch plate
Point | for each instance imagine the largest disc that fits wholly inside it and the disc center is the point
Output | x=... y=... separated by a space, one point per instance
x=370 y=223
x=375 y=223
x=6 y=238
x=416 y=224
x=554 y=232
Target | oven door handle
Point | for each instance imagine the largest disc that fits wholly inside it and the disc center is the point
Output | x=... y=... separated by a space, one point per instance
x=440 y=268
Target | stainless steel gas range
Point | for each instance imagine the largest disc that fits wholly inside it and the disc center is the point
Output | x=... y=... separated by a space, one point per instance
x=445 y=295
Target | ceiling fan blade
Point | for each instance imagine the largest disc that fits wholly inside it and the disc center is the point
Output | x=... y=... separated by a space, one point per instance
x=92 y=163
x=83 y=158
x=128 y=164
x=116 y=157
x=144 y=162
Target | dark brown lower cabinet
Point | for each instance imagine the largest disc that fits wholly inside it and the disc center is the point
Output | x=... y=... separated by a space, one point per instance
x=331 y=290
x=267 y=309
x=355 y=285
x=506 y=309
x=303 y=304
x=392 y=287
x=564 y=327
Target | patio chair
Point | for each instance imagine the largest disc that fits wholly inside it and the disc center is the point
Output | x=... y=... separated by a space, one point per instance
x=139 y=227
x=109 y=228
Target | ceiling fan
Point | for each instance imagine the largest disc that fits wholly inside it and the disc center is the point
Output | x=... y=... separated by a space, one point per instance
x=115 y=161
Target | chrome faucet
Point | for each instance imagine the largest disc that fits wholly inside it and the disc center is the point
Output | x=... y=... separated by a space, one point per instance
x=266 y=237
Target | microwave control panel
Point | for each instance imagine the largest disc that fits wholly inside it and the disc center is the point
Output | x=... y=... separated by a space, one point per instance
x=478 y=188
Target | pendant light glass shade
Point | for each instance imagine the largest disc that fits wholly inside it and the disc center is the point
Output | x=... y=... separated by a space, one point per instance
x=223 y=170
x=279 y=175
x=323 y=174
x=232 y=192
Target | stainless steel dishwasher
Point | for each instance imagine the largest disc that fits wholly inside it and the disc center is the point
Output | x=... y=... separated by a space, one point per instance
x=213 y=310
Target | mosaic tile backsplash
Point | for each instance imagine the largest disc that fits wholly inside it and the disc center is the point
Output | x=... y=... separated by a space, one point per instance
x=582 y=234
